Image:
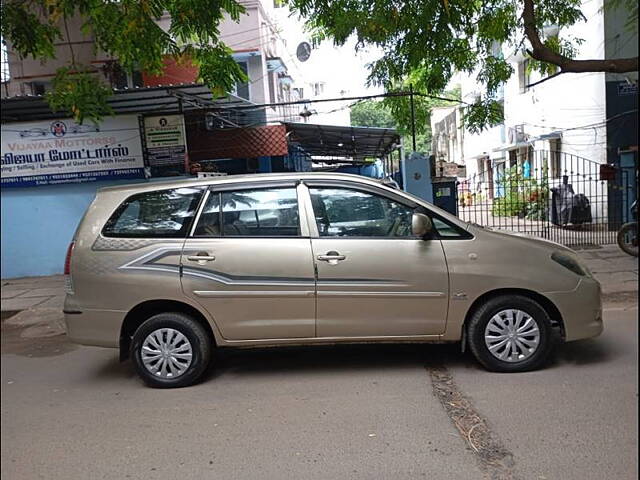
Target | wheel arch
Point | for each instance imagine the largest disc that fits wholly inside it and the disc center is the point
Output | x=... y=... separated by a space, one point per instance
x=545 y=303
x=145 y=310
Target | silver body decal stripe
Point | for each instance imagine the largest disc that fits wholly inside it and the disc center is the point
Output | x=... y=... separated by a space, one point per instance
x=254 y=293
x=343 y=293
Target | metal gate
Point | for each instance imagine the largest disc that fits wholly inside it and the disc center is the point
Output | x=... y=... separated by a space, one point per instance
x=554 y=195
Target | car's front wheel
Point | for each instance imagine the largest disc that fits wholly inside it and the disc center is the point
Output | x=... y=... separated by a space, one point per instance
x=511 y=333
x=170 y=350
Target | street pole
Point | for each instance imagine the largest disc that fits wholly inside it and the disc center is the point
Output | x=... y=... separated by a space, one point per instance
x=413 y=117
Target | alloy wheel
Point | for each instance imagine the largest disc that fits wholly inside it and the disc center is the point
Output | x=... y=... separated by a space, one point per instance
x=166 y=353
x=512 y=335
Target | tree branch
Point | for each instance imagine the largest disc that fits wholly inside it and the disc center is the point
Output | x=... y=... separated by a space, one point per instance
x=544 y=79
x=66 y=29
x=541 y=52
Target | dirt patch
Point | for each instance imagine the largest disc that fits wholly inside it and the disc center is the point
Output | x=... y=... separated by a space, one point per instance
x=34 y=333
x=495 y=460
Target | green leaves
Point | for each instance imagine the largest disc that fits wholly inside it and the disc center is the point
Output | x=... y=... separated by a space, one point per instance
x=563 y=46
x=139 y=34
x=217 y=68
x=371 y=113
x=81 y=93
x=493 y=73
x=128 y=31
x=430 y=40
x=29 y=35
x=395 y=112
x=483 y=113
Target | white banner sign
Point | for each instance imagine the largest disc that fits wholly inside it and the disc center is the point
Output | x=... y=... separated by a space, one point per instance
x=166 y=141
x=61 y=151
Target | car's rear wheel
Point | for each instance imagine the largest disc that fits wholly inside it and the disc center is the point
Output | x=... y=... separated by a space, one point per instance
x=511 y=334
x=170 y=350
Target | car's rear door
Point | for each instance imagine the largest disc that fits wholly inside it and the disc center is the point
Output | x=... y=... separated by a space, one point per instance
x=248 y=262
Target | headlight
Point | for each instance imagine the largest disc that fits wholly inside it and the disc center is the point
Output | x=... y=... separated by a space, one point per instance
x=571 y=263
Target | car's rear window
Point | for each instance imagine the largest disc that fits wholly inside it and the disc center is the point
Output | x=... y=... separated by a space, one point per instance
x=157 y=214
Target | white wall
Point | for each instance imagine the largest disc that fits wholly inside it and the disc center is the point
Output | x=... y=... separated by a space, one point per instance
x=340 y=69
x=23 y=71
x=569 y=100
x=559 y=104
x=481 y=144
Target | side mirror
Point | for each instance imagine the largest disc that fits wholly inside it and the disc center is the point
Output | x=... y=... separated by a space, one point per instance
x=421 y=225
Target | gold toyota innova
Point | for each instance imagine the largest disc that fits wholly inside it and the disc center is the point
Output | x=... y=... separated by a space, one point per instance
x=167 y=272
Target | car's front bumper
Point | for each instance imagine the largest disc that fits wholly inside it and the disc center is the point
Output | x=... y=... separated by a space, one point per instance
x=581 y=309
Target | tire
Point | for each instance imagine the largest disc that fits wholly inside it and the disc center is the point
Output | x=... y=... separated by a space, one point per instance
x=520 y=362
x=632 y=228
x=183 y=370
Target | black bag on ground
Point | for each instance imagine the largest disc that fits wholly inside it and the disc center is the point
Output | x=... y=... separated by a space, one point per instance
x=581 y=211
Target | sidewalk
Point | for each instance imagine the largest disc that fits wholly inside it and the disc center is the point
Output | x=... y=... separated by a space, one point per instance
x=616 y=271
x=32 y=292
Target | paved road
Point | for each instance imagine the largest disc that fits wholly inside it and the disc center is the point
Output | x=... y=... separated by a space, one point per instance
x=577 y=419
x=362 y=412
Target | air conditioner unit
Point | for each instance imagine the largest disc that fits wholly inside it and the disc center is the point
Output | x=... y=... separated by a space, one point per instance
x=516 y=134
x=271 y=47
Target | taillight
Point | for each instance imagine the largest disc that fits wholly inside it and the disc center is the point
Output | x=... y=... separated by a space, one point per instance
x=68 y=284
x=67 y=260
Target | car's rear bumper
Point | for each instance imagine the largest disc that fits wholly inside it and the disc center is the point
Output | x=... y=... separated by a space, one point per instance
x=93 y=327
x=581 y=310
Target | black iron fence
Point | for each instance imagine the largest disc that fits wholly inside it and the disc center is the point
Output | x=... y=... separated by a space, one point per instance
x=554 y=195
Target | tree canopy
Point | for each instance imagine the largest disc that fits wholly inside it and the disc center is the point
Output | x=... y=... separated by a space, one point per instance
x=395 y=112
x=371 y=113
x=129 y=32
x=374 y=113
x=431 y=40
x=424 y=40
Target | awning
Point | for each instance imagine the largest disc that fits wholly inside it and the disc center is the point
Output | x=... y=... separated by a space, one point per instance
x=512 y=146
x=549 y=136
x=162 y=99
x=245 y=55
x=275 y=64
x=343 y=144
x=479 y=156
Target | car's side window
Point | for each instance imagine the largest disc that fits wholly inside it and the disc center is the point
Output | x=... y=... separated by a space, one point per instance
x=157 y=214
x=267 y=212
x=344 y=212
x=445 y=230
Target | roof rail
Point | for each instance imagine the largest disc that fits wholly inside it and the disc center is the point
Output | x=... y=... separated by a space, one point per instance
x=390 y=182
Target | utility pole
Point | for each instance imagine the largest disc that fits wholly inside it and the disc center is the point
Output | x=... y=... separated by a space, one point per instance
x=413 y=117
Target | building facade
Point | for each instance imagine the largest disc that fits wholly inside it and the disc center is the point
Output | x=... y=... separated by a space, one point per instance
x=165 y=125
x=555 y=127
x=588 y=115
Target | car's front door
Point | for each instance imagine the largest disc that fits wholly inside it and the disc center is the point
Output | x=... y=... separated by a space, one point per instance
x=248 y=263
x=374 y=278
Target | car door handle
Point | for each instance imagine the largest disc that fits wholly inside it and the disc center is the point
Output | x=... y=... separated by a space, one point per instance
x=331 y=256
x=201 y=258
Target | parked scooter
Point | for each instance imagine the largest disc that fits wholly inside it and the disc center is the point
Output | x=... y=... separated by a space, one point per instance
x=628 y=233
